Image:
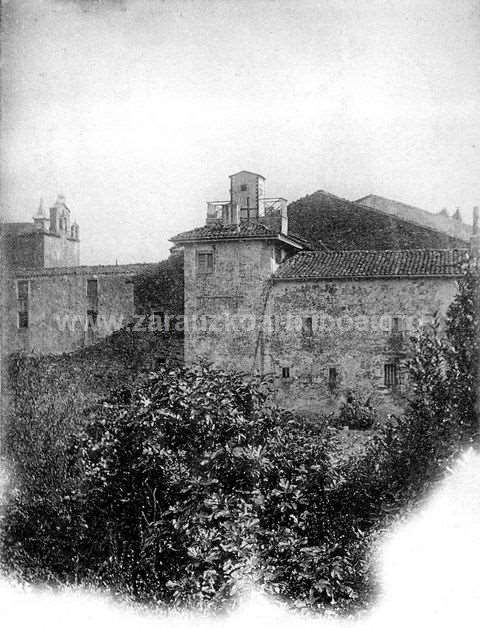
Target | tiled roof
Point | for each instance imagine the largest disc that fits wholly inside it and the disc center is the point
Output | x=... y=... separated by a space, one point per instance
x=439 y=222
x=370 y=264
x=244 y=230
x=342 y=225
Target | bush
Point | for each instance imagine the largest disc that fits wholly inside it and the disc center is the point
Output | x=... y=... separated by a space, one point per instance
x=356 y=415
x=192 y=484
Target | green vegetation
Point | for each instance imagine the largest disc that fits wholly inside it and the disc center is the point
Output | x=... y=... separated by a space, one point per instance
x=180 y=486
x=162 y=287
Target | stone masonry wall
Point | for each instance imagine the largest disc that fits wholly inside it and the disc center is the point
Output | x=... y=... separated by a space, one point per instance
x=226 y=302
x=351 y=332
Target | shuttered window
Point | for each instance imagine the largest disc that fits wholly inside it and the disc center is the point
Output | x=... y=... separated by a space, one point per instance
x=391 y=375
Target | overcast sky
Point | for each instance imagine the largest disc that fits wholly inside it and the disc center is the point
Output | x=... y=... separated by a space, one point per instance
x=139 y=110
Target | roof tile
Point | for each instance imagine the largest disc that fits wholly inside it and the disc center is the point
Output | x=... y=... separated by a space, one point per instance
x=244 y=230
x=369 y=264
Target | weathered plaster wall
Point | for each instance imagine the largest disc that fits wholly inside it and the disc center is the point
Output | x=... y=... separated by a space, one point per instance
x=351 y=331
x=42 y=250
x=58 y=310
x=60 y=250
x=24 y=250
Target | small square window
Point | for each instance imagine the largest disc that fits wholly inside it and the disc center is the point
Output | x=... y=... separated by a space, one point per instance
x=285 y=372
x=205 y=262
x=243 y=187
x=307 y=327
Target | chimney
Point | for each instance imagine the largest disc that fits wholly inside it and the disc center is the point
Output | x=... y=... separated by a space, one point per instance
x=475 y=239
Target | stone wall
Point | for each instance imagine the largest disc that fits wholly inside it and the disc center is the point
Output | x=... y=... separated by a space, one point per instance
x=353 y=330
x=225 y=304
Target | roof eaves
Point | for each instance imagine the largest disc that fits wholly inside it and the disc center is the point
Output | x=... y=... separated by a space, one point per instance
x=246 y=172
x=369 y=277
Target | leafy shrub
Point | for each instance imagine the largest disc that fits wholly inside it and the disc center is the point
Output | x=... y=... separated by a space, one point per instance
x=355 y=414
x=191 y=484
x=161 y=286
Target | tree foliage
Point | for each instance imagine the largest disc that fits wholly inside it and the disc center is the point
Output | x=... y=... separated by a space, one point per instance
x=162 y=287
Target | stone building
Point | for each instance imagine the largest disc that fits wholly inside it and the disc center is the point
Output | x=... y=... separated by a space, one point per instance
x=50 y=240
x=261 y=299
x=51 y=304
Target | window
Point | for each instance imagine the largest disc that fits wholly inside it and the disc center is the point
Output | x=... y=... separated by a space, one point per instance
x=332 y=378
x=307 y=327
x=395 y=325
x=22 y=303
x=205 y=261
x=243 y=187
x=285 y=372
x=391 y=375
x=92 y=294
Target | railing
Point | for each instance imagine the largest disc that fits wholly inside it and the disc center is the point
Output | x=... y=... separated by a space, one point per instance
x=274 y=205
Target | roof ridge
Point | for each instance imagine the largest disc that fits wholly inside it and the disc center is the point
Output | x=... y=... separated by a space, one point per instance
x=425 y=211
x=410 y=220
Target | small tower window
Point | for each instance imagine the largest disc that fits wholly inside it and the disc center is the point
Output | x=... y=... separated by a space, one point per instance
x=243 y=187
x=285 y=372
x=22 y=303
